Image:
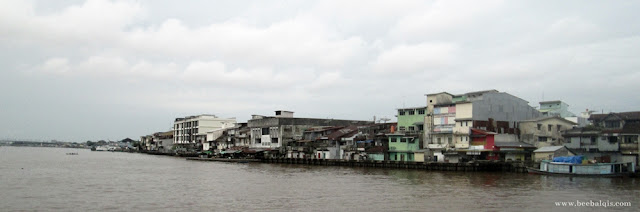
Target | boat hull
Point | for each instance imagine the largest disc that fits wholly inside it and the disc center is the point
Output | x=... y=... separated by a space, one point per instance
x=540 y=172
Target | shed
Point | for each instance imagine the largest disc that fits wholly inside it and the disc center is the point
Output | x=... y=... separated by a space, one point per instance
x=549 y=152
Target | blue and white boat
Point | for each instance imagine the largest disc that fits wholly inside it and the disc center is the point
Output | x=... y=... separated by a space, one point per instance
x=573 y=166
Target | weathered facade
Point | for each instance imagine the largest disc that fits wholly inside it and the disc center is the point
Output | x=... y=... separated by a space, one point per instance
x=544 y=131
x=450 y=118
x=276 y=132
x=555 y=108
x=404 y=143
x=193 y=129
x=621 y=130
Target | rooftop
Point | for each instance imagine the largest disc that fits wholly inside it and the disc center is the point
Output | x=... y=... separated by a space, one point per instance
x=548 y=149
x=548 y=117
x=633 y=115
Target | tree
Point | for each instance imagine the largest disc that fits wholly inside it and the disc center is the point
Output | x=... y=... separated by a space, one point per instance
x=90 y=143
x=102 y=142
x=127 y=140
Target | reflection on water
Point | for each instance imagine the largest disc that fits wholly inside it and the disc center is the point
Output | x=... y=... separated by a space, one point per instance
x=48 y=179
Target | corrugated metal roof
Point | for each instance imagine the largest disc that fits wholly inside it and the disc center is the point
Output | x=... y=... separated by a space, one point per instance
x=513 y=144
x=548 y=149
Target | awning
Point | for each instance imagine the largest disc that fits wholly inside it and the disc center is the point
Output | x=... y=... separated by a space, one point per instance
x=419 y=123
x=367 y=141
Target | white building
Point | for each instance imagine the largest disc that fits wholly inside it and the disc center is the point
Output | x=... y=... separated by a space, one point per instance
x=193 y=129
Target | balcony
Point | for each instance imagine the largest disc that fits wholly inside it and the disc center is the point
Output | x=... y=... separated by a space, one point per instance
x=629 y=148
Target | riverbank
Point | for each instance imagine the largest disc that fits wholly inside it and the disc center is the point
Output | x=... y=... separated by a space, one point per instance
x=479 y=166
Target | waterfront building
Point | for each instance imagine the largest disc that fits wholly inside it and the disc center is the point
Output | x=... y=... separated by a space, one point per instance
x=438 y=136
x=487 y=145
x=191 y=131
x=611 y=137
x=450 y=118
x=163 y=141
x=560 y=109
x=159 y=141
x=275 y=132
x=404 y=143
x=555 y=108
x=146 y=142
x=544 y=131
x=236 y=136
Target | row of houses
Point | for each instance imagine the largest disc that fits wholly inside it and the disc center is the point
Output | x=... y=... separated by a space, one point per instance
x=480 y=125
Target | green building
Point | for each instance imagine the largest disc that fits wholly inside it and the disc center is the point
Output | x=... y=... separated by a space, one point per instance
x=405 y=143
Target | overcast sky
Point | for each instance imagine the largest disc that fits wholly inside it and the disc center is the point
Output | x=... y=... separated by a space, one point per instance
x=87 y=70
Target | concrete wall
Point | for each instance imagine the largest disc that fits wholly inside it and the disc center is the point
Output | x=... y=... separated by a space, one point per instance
x=419 y=156
x=529 y=132
x=401 y=156
x=406 y=120
x=398 y=143
x=376 y=156
x=605 y=145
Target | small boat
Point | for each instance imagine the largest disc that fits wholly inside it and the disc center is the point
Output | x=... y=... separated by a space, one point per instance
x=102 y=148
x=578 y=169
x=72 y=153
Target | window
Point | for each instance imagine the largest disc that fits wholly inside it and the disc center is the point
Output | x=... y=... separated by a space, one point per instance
x=612 y=124
x=401 y=112
x=392 y=139
x=403 y=140
x=549 y=128
x=466 y=123
x=411 y=140
x=274 y=140
x=539 y=126
x=450 y=139
x=412 y=112
x=421 y=111
x=257 y=141
x=558 y=127
x=412 y=128
x=439 y=141
x=420 y=127
x=542 y=139
x=265 y=131
x=401 y=128
x=593 y=140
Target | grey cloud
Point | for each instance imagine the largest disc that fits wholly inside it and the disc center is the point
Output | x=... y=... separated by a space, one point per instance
x=115 y=69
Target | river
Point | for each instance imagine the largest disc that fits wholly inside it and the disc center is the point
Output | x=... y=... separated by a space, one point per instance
x=46 y=179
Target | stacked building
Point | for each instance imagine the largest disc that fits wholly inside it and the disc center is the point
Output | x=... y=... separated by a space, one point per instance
x=479 y=125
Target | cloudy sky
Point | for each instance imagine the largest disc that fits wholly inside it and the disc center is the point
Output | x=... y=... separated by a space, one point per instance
x=86 y=70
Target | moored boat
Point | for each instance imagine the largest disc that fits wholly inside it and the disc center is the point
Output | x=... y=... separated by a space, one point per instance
x=575 y=167
x=102 y=148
